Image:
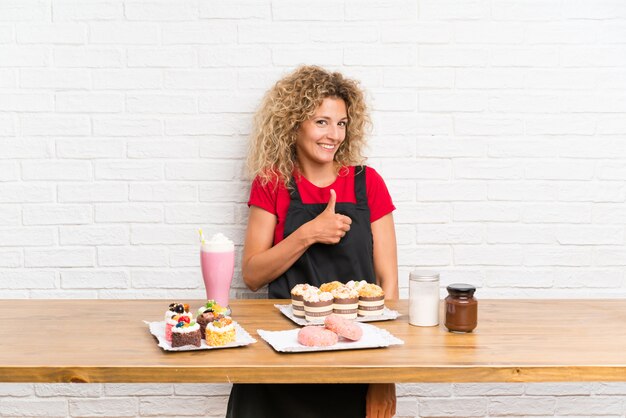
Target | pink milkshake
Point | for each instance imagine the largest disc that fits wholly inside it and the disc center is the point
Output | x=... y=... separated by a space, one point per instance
x=217 y=258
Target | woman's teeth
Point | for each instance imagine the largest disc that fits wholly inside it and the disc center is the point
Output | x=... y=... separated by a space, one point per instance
x=327 y=146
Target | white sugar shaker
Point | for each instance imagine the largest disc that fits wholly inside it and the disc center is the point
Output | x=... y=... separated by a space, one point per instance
x=424 y=298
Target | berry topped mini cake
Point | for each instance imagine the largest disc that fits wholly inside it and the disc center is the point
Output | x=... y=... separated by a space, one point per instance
x=371 y=300
x=211 y=306
x=297 y=298
x=207 y=313
x=177 y=312
x=346 y=302
x=186 y=333
x=176 y=308
x=317 y=306
x=220 y=332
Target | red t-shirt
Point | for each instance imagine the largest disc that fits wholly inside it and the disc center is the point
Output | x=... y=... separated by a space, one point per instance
x=276 y=200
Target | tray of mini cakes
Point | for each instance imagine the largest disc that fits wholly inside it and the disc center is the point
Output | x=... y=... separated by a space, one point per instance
x=212 y=328
x=334 y=317
x=358 y=301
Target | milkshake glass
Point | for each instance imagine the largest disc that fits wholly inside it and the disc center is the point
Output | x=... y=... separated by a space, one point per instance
x=217 y=259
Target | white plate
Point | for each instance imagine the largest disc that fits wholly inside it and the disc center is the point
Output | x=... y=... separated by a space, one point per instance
x=287 y=341
x=158 y=330
x=387 y=315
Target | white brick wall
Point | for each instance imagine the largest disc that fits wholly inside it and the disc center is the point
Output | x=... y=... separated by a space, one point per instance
x=499 y=126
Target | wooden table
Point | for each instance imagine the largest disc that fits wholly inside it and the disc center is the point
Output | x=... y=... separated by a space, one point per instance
x=516 y=341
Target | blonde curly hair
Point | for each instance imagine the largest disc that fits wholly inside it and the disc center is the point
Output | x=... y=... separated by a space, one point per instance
x=293 y=100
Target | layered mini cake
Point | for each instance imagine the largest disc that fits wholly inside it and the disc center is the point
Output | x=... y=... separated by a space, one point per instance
x=177 y=312
x=317 y=306
x=186 y=334
x=346 y=302
x=297 y=298
x=220 y=332
x=371 y=300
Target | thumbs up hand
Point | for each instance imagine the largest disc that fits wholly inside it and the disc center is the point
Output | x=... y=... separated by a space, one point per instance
x=329 y=227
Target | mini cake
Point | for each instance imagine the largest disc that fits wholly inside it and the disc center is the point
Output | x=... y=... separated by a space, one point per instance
x=220 y=332
x=205 y=319
x=317 y=306
x=172 y=322
x=346 y=302
x=297 y=298
x=211 y=306
x=176 y=308
x=175 y=313
x=329 y=287
x=371 y=300
x=186 y=333
x=313 y=336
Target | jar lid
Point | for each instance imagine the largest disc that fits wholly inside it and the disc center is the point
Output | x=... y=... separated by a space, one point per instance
x=461 y=288
x=424 y=276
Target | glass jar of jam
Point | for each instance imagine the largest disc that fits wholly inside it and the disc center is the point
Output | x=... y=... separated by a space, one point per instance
x=461 y=308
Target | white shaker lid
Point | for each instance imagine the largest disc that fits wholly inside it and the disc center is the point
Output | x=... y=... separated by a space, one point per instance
x=424 y=275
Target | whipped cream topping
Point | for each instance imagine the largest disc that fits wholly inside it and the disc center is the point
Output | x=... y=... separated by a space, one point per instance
x=301 y=289
x=212 y=328
x=185 y=330
x=218 y=243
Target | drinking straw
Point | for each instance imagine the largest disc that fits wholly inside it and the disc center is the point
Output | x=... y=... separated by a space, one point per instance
x=201 y=235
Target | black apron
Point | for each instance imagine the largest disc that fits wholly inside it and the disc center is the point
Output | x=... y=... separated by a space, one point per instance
x=350 y=259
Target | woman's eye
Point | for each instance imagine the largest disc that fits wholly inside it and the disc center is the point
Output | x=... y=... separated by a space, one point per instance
x=321 y=122
x=343 y=124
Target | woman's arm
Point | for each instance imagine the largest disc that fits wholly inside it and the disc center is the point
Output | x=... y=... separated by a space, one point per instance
x=262 y=262
x=386 y=255
x=381 y=397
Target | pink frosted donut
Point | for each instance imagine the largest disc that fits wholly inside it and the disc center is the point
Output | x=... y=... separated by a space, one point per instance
x=312 y=336
x=344 y=327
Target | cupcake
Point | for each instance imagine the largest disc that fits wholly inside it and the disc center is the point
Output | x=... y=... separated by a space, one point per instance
x=345 y=302
x=317 y=306
x=220 y=332
x=297 y=298
x=186 y=333
x=330 y=286
x=371 y=300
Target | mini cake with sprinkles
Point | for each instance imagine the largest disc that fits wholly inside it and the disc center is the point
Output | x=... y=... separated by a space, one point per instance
x=317 y=306
x=371 y=300
x=297 y=298
x=346 y=302
x=220 y=332
x=186 y=333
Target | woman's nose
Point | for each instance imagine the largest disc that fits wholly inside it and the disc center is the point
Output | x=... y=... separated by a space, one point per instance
x=334 y=132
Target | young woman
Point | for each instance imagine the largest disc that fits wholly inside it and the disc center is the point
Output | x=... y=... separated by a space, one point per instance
x=316 y=216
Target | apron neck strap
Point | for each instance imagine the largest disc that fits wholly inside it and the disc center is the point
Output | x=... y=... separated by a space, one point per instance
x=360 y=190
